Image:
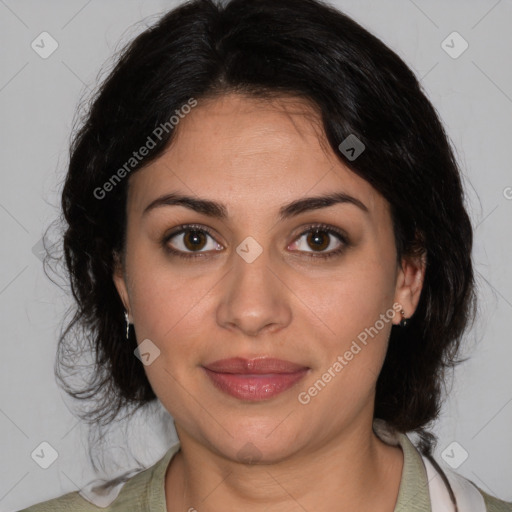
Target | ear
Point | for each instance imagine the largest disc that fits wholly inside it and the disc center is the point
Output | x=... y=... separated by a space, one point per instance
x=119 y=277
x=409 y=283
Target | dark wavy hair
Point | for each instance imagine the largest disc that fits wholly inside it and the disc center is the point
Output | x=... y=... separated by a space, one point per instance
x=265 y=49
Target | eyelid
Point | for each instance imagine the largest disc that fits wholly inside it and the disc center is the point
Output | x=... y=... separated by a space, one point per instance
x=323 y=227
x=188 y=227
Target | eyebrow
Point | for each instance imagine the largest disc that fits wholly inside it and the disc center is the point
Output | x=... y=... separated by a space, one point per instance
x=219 y=211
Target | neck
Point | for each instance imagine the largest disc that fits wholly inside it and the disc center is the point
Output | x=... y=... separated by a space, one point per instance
x=355 y=470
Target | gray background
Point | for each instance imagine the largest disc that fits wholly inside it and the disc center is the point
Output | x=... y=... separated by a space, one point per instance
x=38 y=99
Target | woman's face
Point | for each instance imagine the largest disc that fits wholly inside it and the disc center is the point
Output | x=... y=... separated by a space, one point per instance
x=259 y=282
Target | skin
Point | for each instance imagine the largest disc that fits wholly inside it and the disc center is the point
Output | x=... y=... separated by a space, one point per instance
x=254 y=156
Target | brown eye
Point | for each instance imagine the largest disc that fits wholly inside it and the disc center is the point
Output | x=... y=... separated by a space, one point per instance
x=194 y=239
x=318 y=240
x=189 y=239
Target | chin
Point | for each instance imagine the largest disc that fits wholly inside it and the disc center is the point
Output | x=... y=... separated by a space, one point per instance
x=258 y=441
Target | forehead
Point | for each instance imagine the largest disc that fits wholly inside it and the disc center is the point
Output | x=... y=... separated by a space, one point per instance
x=242 y=150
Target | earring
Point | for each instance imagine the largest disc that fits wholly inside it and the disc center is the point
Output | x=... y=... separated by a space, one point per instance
x=127 y=325
x=404 y=321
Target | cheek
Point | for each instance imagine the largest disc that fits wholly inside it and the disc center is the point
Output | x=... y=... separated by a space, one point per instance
x=356 y=306
x=166 y=305
x=169 y=311
x=159 y=295
x=353 y=299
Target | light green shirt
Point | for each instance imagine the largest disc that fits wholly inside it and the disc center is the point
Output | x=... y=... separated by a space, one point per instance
x=145 y=492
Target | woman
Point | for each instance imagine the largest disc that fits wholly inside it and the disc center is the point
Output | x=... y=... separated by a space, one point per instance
x=264 y=194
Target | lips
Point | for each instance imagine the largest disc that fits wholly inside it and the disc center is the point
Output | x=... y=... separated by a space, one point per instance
x=254 y=366
x=254 y=379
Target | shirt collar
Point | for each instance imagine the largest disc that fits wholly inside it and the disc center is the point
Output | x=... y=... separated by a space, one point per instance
x=413 y=494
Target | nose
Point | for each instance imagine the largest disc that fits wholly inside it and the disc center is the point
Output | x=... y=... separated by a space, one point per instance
x=255 y=299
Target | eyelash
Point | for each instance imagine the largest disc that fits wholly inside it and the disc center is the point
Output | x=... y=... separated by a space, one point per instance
x=313 y=227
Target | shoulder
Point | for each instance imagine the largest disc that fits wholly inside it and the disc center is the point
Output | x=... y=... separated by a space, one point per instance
x=136 y=490
x=471 y=497
x=110 y=496
x=469 y=493
x=493 y=504
x=68 y=502
x=422 y=472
